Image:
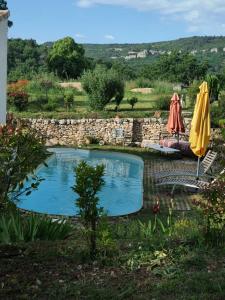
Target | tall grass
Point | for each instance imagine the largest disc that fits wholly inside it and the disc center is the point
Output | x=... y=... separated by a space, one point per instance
x=162 y=87
x=15 y=228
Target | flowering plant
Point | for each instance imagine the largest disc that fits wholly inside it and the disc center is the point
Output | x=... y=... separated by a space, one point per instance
x=156 y=208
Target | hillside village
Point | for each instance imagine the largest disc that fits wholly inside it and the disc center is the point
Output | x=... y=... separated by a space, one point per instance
x=145 y=53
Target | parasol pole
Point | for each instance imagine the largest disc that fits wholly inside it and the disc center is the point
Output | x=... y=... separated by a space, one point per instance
x=198 y=167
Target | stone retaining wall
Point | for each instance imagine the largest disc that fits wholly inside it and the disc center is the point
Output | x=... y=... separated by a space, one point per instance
x=106 y=131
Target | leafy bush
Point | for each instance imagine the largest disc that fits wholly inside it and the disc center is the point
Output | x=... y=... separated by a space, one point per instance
x=102 y=86
x=222 y=123
x=68 y=100
x=89 y=181
x=163 y=103
x=213 y=208
x=20 y=100
x=214 y=86
x=132 y=101
x=20 y=153
x=15 y=228
x=56 y=101
x=49 y=107
x=186 y=230
x=221 y=104
x=217 y=116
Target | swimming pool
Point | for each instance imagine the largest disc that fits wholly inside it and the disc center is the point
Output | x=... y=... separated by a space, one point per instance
x=121 y=195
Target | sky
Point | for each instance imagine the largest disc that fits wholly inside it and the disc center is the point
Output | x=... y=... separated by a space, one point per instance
x=115 y=21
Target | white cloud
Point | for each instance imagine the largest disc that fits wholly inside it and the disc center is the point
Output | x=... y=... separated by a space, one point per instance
x=204 y=16
x=109 y=37
x=79 y=36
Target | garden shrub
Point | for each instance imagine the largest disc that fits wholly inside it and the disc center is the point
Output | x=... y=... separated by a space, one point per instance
x=21 y=152
x=89 y=181
x=221 y=104
x=54 y=103
x=132 y=101
x=186 y=230
x=212 y=205
x=216 y=115
x=214 y=87
x=19 y=100
x=68 y=100
x=102 y=86
x=163 y=103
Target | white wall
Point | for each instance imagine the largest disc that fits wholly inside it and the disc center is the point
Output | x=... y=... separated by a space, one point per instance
x=3 y=68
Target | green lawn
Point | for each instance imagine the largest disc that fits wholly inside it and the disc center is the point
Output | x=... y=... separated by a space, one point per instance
x=145 y=107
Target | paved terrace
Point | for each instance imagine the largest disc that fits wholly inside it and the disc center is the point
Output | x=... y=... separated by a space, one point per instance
x=182 y=197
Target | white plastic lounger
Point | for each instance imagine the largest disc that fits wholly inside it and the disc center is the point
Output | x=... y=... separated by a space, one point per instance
x=186 y=180
x=205 y=167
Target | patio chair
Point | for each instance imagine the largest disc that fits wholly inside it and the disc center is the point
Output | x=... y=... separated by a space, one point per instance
x=205 y=168
x=187 y=181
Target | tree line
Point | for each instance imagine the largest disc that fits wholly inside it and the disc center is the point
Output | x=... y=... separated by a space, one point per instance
x=67 y=59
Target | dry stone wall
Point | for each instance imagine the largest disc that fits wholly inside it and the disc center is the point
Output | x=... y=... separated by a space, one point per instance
x=115 y=131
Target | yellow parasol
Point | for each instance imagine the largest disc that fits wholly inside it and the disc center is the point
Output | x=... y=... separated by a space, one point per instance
x=200 y=125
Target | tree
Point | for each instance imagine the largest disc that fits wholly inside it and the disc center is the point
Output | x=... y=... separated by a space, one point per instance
x=66 y=58
x=102 y=86
x=23 y=59
x=176 y=67
x=89 y=181
x=124 y=69
x=132 y=101
x=3 y=5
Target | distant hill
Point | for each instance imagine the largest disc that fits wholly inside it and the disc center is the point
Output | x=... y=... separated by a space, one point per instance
x=211 y=48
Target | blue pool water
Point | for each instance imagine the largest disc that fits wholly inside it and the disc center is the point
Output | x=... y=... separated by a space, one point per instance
x=122 y=193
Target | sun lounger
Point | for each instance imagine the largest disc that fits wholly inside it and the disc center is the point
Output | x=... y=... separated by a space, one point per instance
x=186 y=180
x=205 y=168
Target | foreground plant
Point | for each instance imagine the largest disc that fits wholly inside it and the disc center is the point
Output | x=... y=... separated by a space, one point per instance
x=15 y=228
x=89 y=181
x=20 y=153
x=212 y=204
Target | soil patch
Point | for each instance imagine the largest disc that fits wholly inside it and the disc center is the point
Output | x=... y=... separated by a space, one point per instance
x=142 y=90
x=75 y=85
